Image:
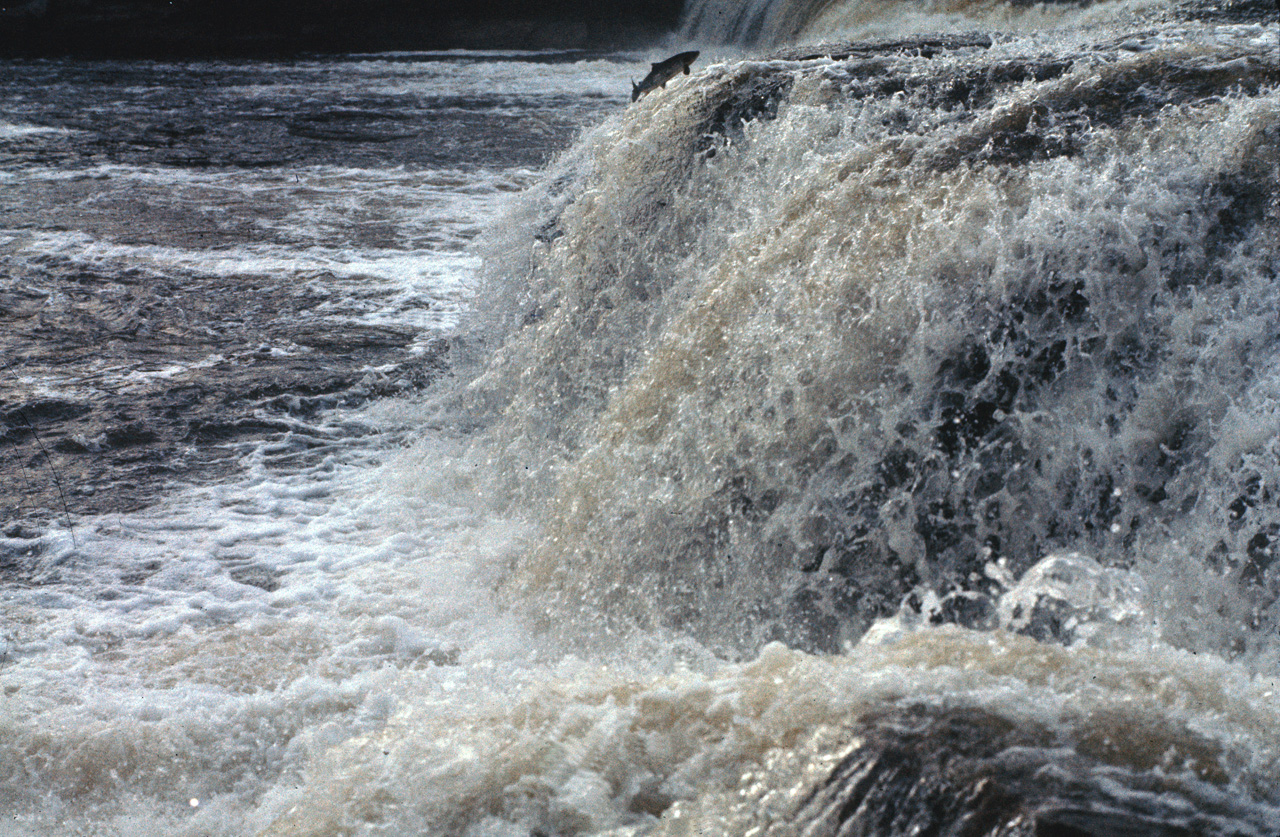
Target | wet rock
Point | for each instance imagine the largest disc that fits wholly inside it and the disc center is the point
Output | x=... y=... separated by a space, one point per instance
x=193 y=382
x=43 y=409
x=925 y=46
x=351 y=337
x=1233 y=11
x=974 y=773
x=259 y=577
x=1052 y=125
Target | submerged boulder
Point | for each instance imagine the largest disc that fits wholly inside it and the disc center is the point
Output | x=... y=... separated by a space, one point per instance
x=972 y=773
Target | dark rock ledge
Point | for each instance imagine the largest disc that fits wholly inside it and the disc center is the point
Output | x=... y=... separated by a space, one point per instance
x=968 y=772
x=198 y=374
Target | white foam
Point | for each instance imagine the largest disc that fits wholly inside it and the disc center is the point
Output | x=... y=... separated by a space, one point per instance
x=382 y=685
x=523 y=83
x=420 y=281
x=21 y=130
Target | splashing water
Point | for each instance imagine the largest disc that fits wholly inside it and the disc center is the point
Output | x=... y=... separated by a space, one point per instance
x=904 y=403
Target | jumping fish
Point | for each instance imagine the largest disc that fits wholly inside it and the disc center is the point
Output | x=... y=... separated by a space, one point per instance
x=663 y=72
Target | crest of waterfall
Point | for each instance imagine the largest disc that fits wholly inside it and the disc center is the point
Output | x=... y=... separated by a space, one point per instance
x=772 y=23
x=765 y=22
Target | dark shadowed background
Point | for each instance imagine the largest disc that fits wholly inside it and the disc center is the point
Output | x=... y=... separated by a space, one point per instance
x=178 y=28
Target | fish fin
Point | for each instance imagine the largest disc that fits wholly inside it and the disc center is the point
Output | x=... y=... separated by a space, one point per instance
x=686 y=69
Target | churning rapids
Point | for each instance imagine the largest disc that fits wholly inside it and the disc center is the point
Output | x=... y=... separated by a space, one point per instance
x=876 y=438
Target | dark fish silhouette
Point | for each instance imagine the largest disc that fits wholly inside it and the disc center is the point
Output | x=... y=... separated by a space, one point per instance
x=663 y=72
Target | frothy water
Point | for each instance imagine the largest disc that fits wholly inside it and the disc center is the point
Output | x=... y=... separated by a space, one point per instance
x=875 y=341
x=771 y=23
x=907 y=401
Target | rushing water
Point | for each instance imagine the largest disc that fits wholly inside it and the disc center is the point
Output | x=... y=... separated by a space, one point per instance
x=872 y=439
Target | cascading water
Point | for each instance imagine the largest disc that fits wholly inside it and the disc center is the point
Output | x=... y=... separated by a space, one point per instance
x=942 y=330
x=755 y=22
x=806 y=336
x=765 y=23
x=877 y=438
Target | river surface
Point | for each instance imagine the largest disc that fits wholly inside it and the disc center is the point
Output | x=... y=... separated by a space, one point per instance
x=441 y=444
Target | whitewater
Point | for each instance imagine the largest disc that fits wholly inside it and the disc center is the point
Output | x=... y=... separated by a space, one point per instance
x=873 y=432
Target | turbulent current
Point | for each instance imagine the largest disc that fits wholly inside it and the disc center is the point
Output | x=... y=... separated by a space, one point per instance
x=874 y=432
